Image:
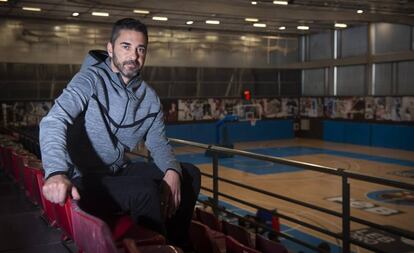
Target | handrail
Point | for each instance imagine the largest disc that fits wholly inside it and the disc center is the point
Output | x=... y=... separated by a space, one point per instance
x=310 y=166
x=344 y=174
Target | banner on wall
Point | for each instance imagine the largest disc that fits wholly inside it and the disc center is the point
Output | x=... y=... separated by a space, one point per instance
x=311 y=107
x=407 y=109
x=23 y=113
x=388 y=108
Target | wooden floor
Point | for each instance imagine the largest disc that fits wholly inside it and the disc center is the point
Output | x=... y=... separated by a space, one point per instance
x=317 y=188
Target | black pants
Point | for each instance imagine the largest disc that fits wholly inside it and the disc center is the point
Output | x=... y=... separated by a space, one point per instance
x=136 y=190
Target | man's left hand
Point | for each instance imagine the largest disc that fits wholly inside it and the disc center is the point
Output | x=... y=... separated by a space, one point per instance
x=173 y=198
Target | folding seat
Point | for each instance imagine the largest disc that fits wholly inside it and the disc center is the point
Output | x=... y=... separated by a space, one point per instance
x=8 y=167
x=267 y=246
x=208 y=219
x=92 y=234
x=64 y=219
x=48 y=212
x=233 y=246
x=130 y=246
x=30 y=181
x=125 y=227
x=205 y=240
x=239 y=233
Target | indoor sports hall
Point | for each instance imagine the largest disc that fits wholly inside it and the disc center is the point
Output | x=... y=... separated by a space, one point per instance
x=298 y=113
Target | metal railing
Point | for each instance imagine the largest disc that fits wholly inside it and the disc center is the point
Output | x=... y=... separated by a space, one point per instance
x=345 y=175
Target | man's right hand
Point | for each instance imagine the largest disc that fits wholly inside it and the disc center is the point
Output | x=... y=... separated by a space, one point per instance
x=57 y=187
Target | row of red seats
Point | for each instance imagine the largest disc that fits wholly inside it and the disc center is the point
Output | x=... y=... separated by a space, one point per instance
x=209 y=234
x=89 y=233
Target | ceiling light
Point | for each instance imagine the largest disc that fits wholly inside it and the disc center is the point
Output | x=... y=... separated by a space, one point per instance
x=212 y=22
x=141 y=11
x=158 y=18
x=251 y=20
x=280 y=2
x=100 y=14
x=3 y=0
x=75 y=14
x=259 y=25
x=190 y=22
x=303 y=27
x=212 y=37
x=360 y=11
x=282 y=28
x=340 y=25
x=31 y=9
x=254 y=2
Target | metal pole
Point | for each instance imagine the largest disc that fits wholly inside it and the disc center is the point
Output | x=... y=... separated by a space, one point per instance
x=215 y=182
x=346 y=212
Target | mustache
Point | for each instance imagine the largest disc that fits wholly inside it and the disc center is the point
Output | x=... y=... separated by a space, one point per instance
x=130 y=62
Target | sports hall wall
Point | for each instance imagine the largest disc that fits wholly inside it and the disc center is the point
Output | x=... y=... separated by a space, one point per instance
x=321 y=85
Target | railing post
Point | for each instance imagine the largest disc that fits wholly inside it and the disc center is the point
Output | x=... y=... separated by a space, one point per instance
x=215 y=183
x=346 y=212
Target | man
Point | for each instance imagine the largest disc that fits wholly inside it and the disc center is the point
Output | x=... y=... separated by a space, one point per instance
x=106 y=110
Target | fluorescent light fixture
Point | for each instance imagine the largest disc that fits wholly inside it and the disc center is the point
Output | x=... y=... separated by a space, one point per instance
x=141 y=11
x=360 y=11
x=189 y=22
x=303 y=27
x=254 y=2
x=251 y=19
x=75 y=14
x=3 y=0
x=259 y=25
x=280 y=2
x=340 y=25
x=158 y=18
x=31 y=8
x=100 y=14
x=213 y=22
x=211 y=37
x=282 y=28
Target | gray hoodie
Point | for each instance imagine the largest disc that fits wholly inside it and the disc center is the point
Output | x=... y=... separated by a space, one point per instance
x=97 y=118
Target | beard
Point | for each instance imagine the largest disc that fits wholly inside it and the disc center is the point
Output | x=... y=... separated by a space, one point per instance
x=128 y=69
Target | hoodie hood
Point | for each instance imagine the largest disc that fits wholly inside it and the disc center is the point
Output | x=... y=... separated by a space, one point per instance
x=94 y=57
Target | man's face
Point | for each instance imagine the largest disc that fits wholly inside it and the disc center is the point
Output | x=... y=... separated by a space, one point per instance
x=128 y=53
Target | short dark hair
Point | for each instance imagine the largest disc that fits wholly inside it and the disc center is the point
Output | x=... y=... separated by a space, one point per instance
x=128 y=24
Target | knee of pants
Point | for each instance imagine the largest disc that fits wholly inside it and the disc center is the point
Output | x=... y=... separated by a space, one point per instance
x=193 y=174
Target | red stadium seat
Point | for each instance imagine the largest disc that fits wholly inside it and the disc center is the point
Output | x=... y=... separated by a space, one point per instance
x=64 y=219
x=48 y=213
x=233 y=246
x=267 y=246
x=30 y=180
x=239 y=233
x=92 y=234
x=131 y=247
x=205 y=240
x=208 y=219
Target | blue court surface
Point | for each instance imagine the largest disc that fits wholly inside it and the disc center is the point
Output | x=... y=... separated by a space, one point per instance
x=263 y=168
x=293 y=247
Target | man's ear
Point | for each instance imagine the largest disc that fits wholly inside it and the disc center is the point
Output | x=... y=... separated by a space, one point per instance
x=109 y=48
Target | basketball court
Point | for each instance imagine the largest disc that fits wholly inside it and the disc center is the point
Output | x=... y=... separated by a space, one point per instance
x=379 y=204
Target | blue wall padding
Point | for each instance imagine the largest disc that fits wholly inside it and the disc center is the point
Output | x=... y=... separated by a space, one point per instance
x=357 y=133
x=236 y=131
x=333 y=131
x=377 y=135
